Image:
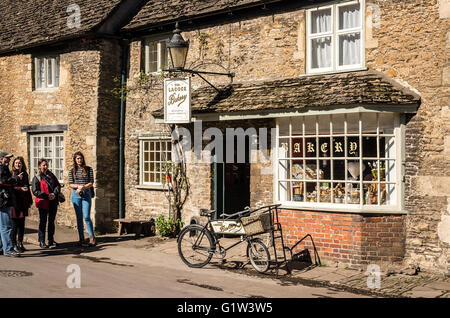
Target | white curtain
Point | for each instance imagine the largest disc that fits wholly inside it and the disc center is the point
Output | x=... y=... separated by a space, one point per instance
x=321 y=21
x=349 y=17
x=321 y=47
x=349 y=44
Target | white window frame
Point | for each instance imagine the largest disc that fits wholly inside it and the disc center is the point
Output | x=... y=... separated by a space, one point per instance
x=398 y=133
x=51 y=159
x=55 y=74
x=160 y=50
x=142 y=160
x=334 y=34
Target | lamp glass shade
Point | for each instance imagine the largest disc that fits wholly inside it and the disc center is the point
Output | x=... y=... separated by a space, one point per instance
x=178 y=56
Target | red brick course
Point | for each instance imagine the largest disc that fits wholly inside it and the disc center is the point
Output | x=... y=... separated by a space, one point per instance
x=354 y=239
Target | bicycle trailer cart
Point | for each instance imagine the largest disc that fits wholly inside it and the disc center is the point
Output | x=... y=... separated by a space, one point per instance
x=197 y=244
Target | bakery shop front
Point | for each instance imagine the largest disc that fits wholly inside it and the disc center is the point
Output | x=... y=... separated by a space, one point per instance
x=336 y=165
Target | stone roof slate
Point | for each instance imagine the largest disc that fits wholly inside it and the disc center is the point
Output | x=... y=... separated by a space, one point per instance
x=306 y=92
x=26 y=23
x=157 y=11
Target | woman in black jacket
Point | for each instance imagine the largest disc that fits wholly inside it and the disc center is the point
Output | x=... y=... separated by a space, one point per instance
x=23 y=202
x=46 y=189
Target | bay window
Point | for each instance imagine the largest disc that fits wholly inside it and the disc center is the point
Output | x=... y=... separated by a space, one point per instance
x=341 y=159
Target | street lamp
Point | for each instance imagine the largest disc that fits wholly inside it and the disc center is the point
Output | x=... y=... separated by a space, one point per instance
x=178 y=49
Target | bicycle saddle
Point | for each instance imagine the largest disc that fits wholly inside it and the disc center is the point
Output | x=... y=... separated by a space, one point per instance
x=206 y=212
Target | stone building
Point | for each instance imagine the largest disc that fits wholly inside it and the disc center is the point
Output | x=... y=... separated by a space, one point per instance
x=357 y=89
x=58 y=62
x=359 y=92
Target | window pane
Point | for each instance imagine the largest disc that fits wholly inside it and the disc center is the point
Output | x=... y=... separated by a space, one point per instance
x=283 y=148
x=370 y=147
x=284 y=191
x=352 y=123
x=353 y=170
x=152 y=57
x=349 y=17
x=369 y=121
x=338 y=123
x=324 y=147
x=353 y=147
x=350 y=49
x=41 y=73
x=162 y=52
x=321 y=21
x=57 y=72
x=283 y=169
x=339 y=170
x=50 y=72
x=338 y=147
x=297 y=191
x=386 y=123
x=321 y=54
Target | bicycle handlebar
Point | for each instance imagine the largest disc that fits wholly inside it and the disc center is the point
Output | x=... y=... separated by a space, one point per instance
x=247 y=210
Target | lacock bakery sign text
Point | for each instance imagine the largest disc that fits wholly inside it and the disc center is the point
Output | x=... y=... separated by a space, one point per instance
x=177 y=101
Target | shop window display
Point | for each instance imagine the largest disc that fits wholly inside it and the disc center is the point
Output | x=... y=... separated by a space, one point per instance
x=339 y=159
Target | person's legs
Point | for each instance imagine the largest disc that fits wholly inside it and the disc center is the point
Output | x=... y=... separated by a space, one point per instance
x=5 y=231
x=20 y=233
x=86 y=205
x=43 y=214
x=14 y=229
x=20 y=230
x=77 y=205
x=51 y=222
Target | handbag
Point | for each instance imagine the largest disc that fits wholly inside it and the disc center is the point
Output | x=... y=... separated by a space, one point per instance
x=92 y=192
x=61 y=197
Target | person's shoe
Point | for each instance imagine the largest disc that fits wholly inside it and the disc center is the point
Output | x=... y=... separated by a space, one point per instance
x=21 y=247
x=12 y=254
x=1 y=251
x=17 y=249
x=43 y=245
x=92 y=242
x=52 y=244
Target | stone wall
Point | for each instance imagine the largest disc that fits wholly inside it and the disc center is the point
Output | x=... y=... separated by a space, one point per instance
x=83 y=65
x=420 y=61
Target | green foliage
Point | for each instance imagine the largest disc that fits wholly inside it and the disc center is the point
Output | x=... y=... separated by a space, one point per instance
x=168 y=228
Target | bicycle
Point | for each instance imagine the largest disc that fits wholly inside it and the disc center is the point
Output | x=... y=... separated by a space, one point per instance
x=197 y=244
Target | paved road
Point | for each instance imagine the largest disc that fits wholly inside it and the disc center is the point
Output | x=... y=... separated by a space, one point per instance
x=119 y=271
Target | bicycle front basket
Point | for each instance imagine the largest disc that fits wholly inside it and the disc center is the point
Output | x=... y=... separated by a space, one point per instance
x=256 y=224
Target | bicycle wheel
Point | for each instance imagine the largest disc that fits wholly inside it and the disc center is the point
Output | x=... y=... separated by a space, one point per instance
x=195 y=246
x=259 y=255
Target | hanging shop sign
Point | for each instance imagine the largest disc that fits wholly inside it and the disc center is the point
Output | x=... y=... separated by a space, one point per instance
x=177 y=101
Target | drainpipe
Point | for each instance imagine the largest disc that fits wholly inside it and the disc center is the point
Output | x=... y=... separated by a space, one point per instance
x=124 y=46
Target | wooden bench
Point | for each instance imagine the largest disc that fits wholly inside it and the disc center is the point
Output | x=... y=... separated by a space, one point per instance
x=137 y=226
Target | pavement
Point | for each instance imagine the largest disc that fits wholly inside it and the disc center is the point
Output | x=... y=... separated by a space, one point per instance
x=387 y=283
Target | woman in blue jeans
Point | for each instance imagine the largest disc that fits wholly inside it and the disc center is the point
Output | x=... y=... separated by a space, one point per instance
x=81 y=180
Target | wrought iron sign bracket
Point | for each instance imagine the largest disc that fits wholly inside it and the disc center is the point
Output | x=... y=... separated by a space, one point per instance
x=199 y=73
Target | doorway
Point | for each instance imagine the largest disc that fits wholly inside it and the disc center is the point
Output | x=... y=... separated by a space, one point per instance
x=232 y=183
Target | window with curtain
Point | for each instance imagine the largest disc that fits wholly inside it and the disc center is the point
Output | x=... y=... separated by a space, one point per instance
x=334 y=37
x=155 y=55
x=46 y=72
x=50 y=147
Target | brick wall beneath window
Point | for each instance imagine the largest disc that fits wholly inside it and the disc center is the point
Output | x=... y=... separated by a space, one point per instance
x=350 y=239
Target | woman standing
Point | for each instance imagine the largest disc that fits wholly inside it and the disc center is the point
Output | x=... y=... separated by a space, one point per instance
x=22 y=203
x=81 y=180
x=46 y=189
